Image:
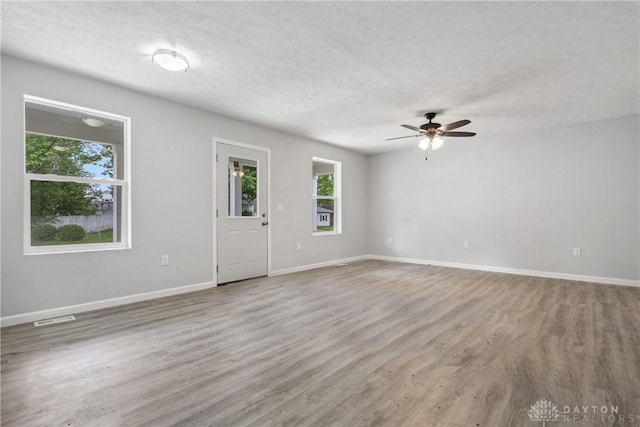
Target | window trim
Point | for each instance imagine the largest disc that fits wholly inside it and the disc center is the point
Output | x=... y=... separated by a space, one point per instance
x=337 y=196
x=124 y=183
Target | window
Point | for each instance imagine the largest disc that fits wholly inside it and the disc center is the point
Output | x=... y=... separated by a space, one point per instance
x=326 y=207
x=243 y=186
x=76 y=178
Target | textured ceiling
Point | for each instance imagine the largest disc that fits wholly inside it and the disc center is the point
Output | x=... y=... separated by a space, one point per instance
x=349 y=73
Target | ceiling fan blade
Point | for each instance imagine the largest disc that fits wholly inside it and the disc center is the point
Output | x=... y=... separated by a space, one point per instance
x=459 y=134
x=454 y=125
x=400 y=137
x=413 y=128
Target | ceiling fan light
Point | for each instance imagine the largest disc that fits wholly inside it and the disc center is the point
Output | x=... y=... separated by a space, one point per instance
x=424 y=143
x=170 y=60
x=436 y=143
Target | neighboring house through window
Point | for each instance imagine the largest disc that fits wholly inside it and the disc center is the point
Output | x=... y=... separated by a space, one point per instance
x=326 y=208
x=76 y=178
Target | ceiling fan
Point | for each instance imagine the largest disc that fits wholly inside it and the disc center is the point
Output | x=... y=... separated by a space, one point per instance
x=433 y=131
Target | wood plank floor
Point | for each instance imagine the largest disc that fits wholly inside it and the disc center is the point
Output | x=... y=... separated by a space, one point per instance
x=369 y=343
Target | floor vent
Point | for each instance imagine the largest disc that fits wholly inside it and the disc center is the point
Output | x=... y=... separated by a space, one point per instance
x=54 y=320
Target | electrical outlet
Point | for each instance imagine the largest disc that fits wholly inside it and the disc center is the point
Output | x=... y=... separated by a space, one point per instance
x=465 y=244
x=298 y=246
x=165 y=260
x=577 y=252
x=389 y=240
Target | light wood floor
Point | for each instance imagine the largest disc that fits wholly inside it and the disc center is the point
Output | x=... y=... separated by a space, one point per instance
x=370 y=343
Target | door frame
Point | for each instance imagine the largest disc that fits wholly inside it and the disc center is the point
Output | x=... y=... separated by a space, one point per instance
x=214 y=193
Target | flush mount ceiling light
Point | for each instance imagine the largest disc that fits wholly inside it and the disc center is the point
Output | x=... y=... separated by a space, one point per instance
x=94 y=123
x=170 y=60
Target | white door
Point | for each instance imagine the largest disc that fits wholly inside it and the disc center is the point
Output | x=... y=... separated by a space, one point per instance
x=242 y=212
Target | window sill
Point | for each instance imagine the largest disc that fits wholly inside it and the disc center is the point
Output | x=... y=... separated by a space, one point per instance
x=47 y=250
x=326 y=233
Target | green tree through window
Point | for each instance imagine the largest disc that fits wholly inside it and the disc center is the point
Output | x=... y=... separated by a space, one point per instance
x=325 y=185
x=249 y=183
x=61 y=156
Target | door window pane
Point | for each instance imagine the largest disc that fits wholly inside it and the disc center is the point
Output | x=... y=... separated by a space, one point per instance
x=243 y=188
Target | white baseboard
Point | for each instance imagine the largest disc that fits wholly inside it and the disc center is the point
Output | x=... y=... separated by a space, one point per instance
x=536 y=273
x=317 y=265
x=96 y=305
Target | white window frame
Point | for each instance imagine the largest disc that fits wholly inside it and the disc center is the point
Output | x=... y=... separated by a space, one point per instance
x=337 y=198
x=124 y=183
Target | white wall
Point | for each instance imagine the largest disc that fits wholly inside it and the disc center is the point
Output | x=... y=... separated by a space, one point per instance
x=522 y=201
x=172 y=161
